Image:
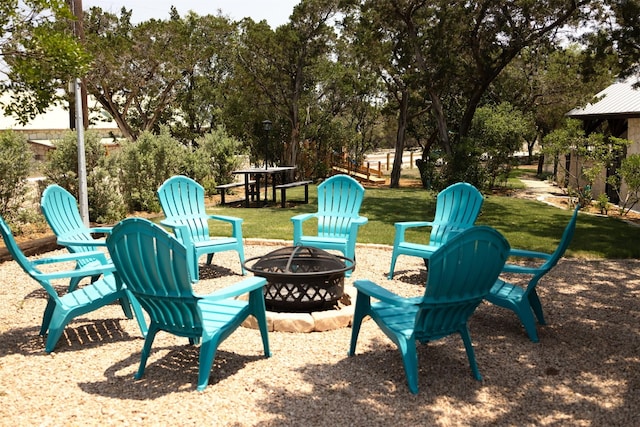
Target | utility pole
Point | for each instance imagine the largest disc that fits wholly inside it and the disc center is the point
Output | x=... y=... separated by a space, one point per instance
x=81 y=118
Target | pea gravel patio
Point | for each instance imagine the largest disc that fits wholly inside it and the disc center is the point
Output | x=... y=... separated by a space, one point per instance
x=584 y=372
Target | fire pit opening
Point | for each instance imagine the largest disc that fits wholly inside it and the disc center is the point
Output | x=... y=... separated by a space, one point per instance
x=301 y=278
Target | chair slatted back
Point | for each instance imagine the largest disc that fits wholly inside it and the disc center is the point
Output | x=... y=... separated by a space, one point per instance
x=156 y=269
x=182 y=201
x=457 y=207
x=460 y=275
x=339 y=201
x=60 y=209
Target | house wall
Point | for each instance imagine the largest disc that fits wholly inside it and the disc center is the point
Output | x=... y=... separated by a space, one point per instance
x=632 y=134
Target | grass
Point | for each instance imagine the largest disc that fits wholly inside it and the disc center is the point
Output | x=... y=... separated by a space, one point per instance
x=526 y=224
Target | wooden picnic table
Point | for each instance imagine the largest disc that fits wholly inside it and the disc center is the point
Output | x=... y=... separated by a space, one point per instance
x=263 y=174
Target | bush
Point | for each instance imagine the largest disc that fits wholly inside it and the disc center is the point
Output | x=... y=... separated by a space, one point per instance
x=218 y=154
x=105 y=200
x=146 y=164
x=15 y=163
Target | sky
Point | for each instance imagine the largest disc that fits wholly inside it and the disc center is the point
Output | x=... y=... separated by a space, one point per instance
x=276 y=12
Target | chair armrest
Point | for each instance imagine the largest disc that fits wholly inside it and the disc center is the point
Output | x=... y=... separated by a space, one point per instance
x=303 y=217
x=402 y=227
x=80 y=272
x=412 y=224
x=297 y=221
x=230 y=219
x=104 y=230
x=247 y=285
x=523 y=253
x=521 y=269
x=371 y=289
x=98 y=255
x=66 y=241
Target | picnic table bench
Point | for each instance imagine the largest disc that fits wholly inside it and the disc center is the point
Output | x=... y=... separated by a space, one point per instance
x=283 y=190
x=224 y=187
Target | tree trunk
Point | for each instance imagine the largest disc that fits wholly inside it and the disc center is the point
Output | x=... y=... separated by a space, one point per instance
x=400 y=138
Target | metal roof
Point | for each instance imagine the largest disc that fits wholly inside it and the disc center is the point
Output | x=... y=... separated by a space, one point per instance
x=619 y=99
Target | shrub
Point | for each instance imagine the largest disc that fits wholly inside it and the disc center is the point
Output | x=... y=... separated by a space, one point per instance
x=145 y=164
x=104 y=198
x=15 y=162
x=218 y=153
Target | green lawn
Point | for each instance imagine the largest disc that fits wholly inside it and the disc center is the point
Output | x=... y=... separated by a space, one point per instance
x=526 y=224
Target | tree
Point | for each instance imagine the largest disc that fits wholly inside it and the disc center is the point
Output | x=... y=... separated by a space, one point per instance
x=547 y=81
x=282 y=65
x=497 y=132
x=38 y=53
x=142 y=74
x=459 y=49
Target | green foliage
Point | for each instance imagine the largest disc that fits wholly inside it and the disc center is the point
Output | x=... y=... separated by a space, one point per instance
x=497 y=132
x=629 y=172
x=146 y=164
x=62 y=163
x=103 y=192
x=39 y=53
x=218 y=152
x=591 y=155
x=603 y=203
x=15 y=162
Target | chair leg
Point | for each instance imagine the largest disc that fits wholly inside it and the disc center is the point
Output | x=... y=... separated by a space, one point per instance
x=410 y=362
x=241 y=256
x=536 y=306
x=146 y=349
x=209 y=258
x=137 y=310
x=394 y=258
x=56 y=328
x=362 y=309
x=207 y=353
x=258 y=309
x=523 y=310
x=468 y=346
x=46 y=318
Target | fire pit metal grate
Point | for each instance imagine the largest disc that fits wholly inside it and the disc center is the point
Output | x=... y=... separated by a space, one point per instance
x=301 y=278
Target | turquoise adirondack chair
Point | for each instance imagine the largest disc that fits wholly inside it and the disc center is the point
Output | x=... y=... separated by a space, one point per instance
x=182 y=201
x=60 y=209
x=461 y=272
x=338 y=217
x=159 y=271
x=524 y=301
x=60 y=310
x=457 y=208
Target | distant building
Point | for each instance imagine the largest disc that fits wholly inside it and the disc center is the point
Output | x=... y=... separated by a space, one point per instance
x=55 y=122
x=616 y=111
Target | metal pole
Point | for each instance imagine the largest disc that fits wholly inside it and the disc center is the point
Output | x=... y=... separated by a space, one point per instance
x=83 y=200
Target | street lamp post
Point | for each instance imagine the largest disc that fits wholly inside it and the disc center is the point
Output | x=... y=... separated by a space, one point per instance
x=266 y=125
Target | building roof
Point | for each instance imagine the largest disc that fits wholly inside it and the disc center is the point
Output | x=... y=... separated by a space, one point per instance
x=618 y=100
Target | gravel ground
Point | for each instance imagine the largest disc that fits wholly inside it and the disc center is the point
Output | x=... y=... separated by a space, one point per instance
x=585 y=371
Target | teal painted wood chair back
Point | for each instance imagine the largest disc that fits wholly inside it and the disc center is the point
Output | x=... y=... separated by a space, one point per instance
x=182 y=202
x=524 y=301
x=60 y=209
x=338 y=216
x=457 y=208
x=461 y=273
x=60 y=310
x=158 y=270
